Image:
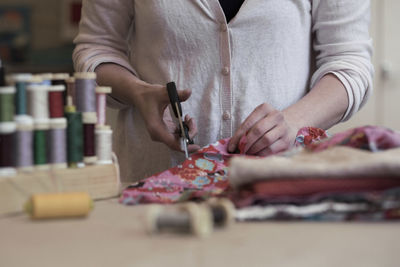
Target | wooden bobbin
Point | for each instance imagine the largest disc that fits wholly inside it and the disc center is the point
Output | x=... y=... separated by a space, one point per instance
x=59 y=205
x=223 y=211
x=85 y=75
x=188 y=218
x=60 y=76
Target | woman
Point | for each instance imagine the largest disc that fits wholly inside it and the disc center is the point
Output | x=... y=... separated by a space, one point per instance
x=276 y=66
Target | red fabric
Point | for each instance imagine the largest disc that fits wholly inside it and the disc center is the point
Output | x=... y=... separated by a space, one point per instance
x=304 y=187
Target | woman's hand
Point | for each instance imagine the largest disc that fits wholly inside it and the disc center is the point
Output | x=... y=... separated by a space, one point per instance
x=267 y=132
x=152 y=102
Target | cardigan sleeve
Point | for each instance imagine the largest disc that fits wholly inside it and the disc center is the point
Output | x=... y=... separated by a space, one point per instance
x=344 y=48
x=103 y=37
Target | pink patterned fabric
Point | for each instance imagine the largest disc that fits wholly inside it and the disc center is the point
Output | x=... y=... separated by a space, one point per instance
x=372 y=138
x=203 y=175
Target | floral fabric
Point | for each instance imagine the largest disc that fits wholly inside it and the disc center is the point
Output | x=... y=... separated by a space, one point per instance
x=201 y=176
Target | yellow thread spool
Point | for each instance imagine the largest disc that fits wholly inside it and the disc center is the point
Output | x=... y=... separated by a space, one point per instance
x=58 y=205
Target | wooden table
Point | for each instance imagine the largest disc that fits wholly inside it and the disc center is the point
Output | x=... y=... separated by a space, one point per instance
x=114 y=235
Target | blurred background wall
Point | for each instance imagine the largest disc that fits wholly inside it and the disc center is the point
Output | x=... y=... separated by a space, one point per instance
x=46 y=28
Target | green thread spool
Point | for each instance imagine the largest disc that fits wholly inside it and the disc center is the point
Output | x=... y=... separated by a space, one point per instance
x=7 y=103
x=40 y=147
x=74 y=136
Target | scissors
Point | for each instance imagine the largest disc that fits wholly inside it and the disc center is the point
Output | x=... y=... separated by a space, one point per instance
x=177 y=110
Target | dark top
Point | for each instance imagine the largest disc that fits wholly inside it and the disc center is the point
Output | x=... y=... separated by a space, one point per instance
x=230 y=7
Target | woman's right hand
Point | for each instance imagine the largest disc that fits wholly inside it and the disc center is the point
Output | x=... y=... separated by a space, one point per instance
x=152 y=101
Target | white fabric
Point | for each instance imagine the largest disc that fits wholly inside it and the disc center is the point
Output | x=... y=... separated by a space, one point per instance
x=338 y=162
x=266 y=50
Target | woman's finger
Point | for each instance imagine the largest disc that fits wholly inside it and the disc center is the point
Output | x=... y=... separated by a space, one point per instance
x=266 y=140
x=259 y=113
x=260 y=130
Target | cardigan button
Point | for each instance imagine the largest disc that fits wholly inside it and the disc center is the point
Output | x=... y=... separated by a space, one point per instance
x=225 y=71
x=223 y=27
x=226 y=116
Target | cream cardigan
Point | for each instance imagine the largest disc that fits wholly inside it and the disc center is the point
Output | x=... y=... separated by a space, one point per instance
x=264 y=54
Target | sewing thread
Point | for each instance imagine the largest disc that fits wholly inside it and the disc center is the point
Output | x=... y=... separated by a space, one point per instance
x=7 y=103
x=56 y=102
x=101 y=92
x=58 y=143
x=85 y=84
x=24 y=143
x=104 y=144
x=74 y=135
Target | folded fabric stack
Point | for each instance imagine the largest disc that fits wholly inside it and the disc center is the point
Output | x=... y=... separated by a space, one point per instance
x=354 y=175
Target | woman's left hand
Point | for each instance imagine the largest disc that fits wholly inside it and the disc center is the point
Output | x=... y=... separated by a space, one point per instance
x=267 y=132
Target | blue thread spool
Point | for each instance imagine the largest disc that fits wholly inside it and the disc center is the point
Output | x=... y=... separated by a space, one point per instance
x=20 y=81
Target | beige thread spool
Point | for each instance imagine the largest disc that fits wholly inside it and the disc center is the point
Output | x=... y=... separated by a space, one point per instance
x=59 y=205
x=187 y=218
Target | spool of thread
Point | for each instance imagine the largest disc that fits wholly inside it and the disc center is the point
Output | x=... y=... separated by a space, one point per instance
x=101 y=92
x=59 y=205
x=60 y=79
x=46 y=78
x=7 y=149
x=40 y=145
x=58 y=143
x=38 y=102
x=223 y=211
x=89 y=149
x=104 y=144
x=7 y=103
x=71 y=89
x=74 y=135
x=24 y=143
x=20 y=81
x=85 y=85
x=188 y=218
x=56 y=102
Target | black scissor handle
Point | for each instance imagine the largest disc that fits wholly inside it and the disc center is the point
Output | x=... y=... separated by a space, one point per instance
x=174 y=98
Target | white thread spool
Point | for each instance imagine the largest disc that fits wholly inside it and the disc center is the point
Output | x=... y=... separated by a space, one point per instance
x=103 y=144
x=24 y=143
x=101 y=92
x=38 y=103
x=58 y=143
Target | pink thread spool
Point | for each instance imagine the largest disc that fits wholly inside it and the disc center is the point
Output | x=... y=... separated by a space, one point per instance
x=101 y=92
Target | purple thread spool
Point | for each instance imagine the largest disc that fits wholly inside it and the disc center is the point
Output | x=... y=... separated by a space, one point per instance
x=85 y=84
x=24 y=143
x=58 y=143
